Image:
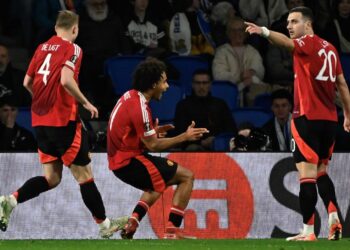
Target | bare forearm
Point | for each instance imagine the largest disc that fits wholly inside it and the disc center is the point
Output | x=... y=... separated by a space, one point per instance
x=166 y=143
x=274 y=37
x=281 y=40
x=73 y=89
x=28 y=83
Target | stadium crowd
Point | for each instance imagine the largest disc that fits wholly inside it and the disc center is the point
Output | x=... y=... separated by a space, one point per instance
x=213 y=30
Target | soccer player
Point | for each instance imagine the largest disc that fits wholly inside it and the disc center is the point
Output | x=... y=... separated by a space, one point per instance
x=131 y=132
x=52 y=79
x=317 y=75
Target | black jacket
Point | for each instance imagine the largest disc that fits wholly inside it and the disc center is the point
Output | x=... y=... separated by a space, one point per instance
x=207 y=112
x=16 y=139
x=11 y=83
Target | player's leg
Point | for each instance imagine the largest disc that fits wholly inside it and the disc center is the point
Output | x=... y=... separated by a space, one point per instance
x=327 y=192
x=77 y=157
x=305 y=153
x=29 y=190
x=145 y=172
x=147 y=199
x=184 y=180
x=325 y=184
x=93 y=201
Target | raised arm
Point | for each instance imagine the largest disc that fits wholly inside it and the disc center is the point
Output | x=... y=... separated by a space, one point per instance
x=276 y=38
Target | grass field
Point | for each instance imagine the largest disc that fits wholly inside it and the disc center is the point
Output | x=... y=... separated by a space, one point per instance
x=270 y=244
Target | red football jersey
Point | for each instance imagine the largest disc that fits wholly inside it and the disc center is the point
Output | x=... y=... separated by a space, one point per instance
x=130 y=120
x=51 y=104
x=316 y=66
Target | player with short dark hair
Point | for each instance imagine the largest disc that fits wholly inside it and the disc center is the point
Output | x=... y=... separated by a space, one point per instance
x=52 y=79
x=131 y=132
x=318 y=73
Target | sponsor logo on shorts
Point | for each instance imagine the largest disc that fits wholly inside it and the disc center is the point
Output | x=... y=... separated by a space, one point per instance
x=170 y=163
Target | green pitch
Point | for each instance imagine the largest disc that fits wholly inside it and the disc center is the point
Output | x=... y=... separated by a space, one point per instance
x=270 y=244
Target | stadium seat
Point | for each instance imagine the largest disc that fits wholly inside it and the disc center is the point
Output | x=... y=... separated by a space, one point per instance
x=186 y=65
x=164 y=109
x=24 y=119
x=263 y=101
x=345 y=61
x=255 y=116
x=222 y=142
x=226 y=91
x=120 y=70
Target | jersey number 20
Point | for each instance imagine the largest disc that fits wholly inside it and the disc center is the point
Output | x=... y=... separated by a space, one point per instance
x=327 y=59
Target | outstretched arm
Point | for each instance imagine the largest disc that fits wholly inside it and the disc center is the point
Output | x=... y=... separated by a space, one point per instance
x=159 y=144
x=276 y=38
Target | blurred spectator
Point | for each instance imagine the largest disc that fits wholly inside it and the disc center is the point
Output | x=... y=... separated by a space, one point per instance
x=322 y=13
x=15 y=23
x=337 y=31
x=100 y=36
x=279 y=62
x=11 y=79
x=279 y=66
x=263 y=13
x=250 y=138
x=205 y=110
x=221 y=13
x=280 y=25
x=12 y=136
x=144 y=31
x=278 y=128
x=189 y=29
x=45 y=13
x=240 y=63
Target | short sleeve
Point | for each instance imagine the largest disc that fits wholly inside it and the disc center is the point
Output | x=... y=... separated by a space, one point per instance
x=72 y=56
x=142 y=120
x=303 y=45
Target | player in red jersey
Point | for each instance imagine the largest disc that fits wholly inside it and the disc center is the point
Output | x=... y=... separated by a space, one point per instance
x=52 y=79
x=318 y=74
x=131 y=132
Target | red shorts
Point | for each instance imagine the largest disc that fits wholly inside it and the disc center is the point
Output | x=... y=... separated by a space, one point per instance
x=147 y=172
x=69 y=144
x=313 y=140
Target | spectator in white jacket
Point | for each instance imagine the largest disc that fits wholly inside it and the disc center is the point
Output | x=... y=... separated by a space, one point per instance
x=240 y=63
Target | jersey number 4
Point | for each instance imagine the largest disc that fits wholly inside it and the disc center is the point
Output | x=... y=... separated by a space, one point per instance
x=327 y=59
x=44 y=68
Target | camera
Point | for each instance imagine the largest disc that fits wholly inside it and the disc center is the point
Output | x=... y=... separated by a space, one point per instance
x=257 y=140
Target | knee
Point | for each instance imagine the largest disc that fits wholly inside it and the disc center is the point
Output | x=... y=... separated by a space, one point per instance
x=189 y=176
x=53 y=181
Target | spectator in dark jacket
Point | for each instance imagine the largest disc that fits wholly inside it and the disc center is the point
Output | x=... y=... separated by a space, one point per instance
x=100 y=37
x=278 y=128
x=12 y=136
x=11 y=79
x=205 y=110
